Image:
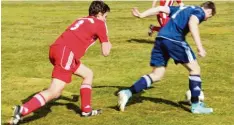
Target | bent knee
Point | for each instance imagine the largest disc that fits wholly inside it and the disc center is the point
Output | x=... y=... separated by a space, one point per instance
x=156 y=77
x=54 y=93
x=195 y=70
x=88 y=73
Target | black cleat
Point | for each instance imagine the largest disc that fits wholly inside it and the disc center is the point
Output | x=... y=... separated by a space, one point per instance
x=16 y=115
x=92 y=113
x=150 y=32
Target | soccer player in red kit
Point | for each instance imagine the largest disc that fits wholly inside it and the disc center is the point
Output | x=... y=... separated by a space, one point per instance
x=162 y=17
x=65 y=54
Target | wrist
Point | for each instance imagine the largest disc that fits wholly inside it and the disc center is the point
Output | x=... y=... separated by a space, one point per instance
x=140 y=16
x=199 y=47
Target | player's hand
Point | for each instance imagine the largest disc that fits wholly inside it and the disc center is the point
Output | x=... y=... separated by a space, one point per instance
x=135 y=12
x=106 y=48
x=201 y=52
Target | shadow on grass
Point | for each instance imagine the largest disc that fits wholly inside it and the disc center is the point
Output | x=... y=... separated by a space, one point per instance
x=138 y=98
x=45 y=110
x=141 y=41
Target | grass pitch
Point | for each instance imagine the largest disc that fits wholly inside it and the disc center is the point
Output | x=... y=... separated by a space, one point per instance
x=28 y=28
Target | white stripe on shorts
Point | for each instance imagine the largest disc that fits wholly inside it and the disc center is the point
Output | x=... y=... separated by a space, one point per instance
x=187 y=49
x=69 y=61
x=189 y=54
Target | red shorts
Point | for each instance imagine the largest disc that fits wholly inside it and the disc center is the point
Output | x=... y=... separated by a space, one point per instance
x=64 y=62
x=163 y=18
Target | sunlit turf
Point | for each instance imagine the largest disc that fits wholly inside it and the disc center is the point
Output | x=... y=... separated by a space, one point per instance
x=28 y=28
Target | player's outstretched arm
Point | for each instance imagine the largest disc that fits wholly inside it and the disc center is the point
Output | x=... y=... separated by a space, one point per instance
x=193 y=26
x=150 y=12
x=106 y=48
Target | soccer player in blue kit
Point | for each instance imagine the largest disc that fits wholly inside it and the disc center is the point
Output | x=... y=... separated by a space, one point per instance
x=171 y=43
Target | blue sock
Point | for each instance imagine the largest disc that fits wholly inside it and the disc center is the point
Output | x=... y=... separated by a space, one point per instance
x=195 y=87
x=143 y=83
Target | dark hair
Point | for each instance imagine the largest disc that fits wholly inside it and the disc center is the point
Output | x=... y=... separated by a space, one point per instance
x=209 y=5
x=98 y=6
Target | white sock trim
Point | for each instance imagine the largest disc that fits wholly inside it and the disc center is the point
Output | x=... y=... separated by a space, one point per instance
x=195 y=78
x=85 y=86
x=40 y=99
x=148 y=80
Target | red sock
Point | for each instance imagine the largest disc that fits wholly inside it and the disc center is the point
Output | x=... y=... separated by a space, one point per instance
x=36 y=102
x=85 y=94
x=155 y=28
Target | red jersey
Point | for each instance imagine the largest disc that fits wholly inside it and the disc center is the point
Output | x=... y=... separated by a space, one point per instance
x=168 y=2
x=82 y=33
x=163 y=18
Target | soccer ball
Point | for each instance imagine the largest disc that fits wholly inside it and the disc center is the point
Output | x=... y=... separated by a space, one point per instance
x=188 y=96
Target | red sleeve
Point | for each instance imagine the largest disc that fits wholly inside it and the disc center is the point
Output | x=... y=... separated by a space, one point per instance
x=178 y=1
x=102 y=33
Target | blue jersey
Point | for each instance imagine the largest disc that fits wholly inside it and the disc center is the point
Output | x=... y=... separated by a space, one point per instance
x=177 y=27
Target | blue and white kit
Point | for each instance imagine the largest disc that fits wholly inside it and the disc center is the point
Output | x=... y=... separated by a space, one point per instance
x=170 y=42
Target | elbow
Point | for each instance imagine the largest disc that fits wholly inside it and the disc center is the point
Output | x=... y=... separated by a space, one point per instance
x=164 y=9
x=161 y=8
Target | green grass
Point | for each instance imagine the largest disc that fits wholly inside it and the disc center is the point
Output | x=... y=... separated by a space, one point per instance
x=28 y=28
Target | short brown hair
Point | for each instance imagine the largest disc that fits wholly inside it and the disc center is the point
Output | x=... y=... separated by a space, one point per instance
x=209 y=5
x=98 y=6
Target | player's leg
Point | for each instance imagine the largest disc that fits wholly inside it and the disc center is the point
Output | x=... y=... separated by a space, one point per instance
x=182 y=53
x=38 y=100
x=160 y=19
x=54 y=91
x=153 y=28
x=164 y=19
x=143 y=83
x=195 y=88
x=194 y=79
x=146 y=80
x=159 y=61
x=60 y=57
x=86 y=90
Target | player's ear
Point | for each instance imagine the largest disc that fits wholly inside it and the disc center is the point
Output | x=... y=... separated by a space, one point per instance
x=209 y=11
x=99 y=14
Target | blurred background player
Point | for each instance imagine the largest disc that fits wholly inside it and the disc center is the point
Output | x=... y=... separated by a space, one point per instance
x=170 y=43
x=65 y=54
x=162 y=17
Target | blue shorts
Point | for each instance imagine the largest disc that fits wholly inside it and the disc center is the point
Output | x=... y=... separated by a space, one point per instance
x=164 y=49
